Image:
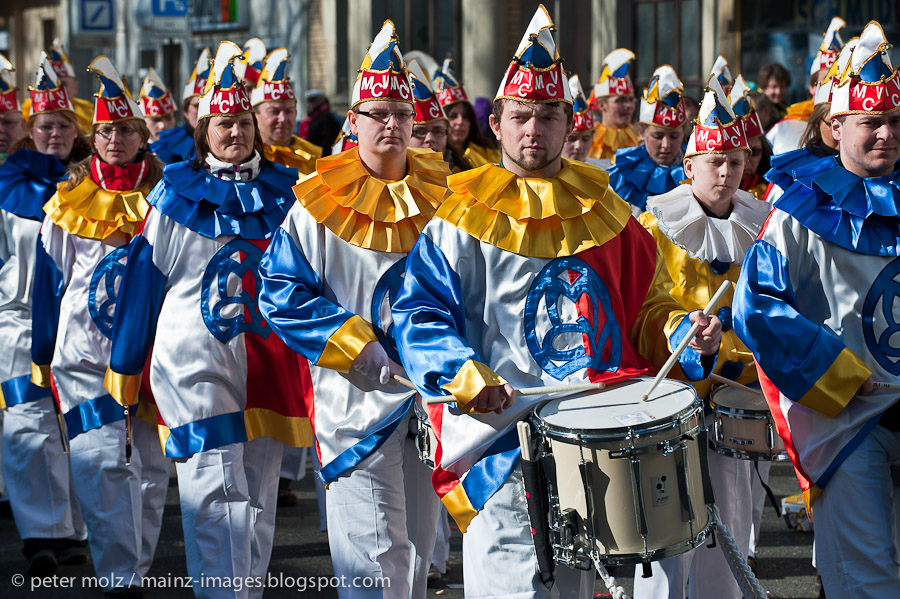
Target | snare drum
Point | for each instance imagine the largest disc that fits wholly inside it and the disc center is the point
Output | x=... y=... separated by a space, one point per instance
x=625 y=477
x=426 y=442
x=743 y=426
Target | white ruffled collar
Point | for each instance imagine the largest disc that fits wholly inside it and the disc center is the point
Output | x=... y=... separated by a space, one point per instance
x=681 y=218
x=234 y=172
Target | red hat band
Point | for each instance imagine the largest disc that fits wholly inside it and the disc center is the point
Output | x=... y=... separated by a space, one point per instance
x=584 y=121
x=720 y=139
x=277 y=91
x=449 y=95
x=878 y=97
x=158 y=106
x=384 y=85
x=233 y=100
x=620 y=87
x=535 y=85
x=669 y=118
x=428 y=110
x=9 y=101
x=48 y=101
x=825 y=59
x=251 y=76
x=753 y=126
x=199 y=86
x=108 y=110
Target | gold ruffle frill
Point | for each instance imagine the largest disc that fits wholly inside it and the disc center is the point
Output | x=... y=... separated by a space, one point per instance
x=800 y=111
x=607 y=140
x=568 y=213
x=301 y=155
x=479 y=155
x=372 y=213
x=93 y=212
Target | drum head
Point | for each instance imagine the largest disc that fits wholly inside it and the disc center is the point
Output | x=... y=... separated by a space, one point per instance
x=738 y=399
x=619 y=406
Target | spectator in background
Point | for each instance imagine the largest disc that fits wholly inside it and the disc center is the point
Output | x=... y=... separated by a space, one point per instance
x=691 y=110
x=483 y=110
x=320 y=126
x=764 y=109
x=774 y=81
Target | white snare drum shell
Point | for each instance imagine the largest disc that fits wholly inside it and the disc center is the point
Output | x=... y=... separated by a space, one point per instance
x=743 y=427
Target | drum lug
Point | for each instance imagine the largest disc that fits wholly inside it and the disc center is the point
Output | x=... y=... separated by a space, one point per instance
x=770 y=436
x=717 y=429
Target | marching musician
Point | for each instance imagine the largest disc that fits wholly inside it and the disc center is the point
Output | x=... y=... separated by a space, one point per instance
x=177 y=144
x=157 y=105
x=613 y=97
x=59 y=60
x=329 y=278
x=703 y=230
x=430 y=125
x=579 y=141
x=757 y=163
x=655 y=166
x=120 y=475
x=35 y=468
x=815 y=303
x=12 y=124
x=481 y=288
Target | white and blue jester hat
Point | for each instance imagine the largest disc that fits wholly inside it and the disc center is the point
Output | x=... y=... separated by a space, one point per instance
x=383 y=75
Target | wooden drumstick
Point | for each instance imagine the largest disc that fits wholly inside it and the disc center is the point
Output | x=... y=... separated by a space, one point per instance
x=527 y=391
x=735 y=384
x=879 y=386
x=725 y=286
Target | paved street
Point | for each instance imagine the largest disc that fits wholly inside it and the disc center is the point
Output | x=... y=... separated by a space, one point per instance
x=301 y=552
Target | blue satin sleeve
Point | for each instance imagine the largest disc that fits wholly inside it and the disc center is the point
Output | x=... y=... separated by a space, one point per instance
x=429 y=319
x=141 y=295
x=695 y=366
x=291 y=299
x=792 y=351
x=47 y=295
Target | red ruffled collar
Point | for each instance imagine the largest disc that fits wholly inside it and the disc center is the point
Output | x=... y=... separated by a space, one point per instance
x=118 y=178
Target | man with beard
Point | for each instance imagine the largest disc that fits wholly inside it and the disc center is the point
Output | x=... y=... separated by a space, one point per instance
x=465 y=315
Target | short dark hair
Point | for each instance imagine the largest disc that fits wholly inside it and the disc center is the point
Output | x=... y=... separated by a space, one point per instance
x=202 y=144
x=567 y=108
x=773 y=70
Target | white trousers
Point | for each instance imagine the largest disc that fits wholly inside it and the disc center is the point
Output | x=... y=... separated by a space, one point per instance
x=121 y=505
x=758 y=499
x=228 y=498
x=382 y=518
x=441 y=554
x=499 y=558
x=39 y=482
x=705 y=567
x=854 y=522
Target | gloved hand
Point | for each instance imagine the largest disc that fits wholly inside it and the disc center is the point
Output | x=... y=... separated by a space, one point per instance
x=373 y=365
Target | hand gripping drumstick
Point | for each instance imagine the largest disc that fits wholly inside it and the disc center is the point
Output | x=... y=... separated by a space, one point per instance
x=541 y=390
x=725 y=286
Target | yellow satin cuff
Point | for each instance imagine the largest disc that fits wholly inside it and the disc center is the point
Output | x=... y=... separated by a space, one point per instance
x=459 y=507
x=124 y=388
x=40 y=375
x=834 y=390
x=607 y=140
x=93 y=212
x=811 y=495
x=2 y=400
x=345 y=344
x=290 y=430
x=301 y=155
x=470 y=379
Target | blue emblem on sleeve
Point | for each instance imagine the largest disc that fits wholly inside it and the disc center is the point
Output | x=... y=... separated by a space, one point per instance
x=105 y=284
x=226 y=315
x=569 y=320
x=386 y=291
x=879 y=318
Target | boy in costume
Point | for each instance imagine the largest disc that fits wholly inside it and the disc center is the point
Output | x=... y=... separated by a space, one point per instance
x=613 y=97
x=157 y=105
x=579 y=141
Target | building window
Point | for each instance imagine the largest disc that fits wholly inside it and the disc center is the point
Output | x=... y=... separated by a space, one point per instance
x=668 y=32
x=432 y=26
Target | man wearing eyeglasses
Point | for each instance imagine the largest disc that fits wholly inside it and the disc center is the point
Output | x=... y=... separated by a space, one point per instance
x=431 y=125
x=328 y=279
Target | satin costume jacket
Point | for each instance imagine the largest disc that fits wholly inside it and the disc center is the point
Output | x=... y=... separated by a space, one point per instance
x=27 y=180
x=635 y=176
x=329 y=277
x=531 y=282
x=80 y=257
x=815 y=304
x=700 y=253
x=219 y=374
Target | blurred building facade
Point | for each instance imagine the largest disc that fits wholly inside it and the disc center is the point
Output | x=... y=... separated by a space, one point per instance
x=327 y=38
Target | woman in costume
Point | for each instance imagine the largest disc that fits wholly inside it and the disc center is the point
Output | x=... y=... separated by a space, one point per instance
x=229 y=391
x=35 y=465
x=120 y=475
x=757 y=164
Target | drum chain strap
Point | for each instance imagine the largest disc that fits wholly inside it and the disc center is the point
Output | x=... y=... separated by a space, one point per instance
x=616 y=590
x=744 y=576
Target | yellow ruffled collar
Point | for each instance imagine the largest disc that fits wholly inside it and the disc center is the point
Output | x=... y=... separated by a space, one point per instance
x=93 y=212
x=545 y=218
x=607 y=140
x=800 y=111
x=372 y=213
x=479 y=156
x=301 y=155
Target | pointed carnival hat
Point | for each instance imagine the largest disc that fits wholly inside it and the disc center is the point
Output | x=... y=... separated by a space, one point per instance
x=197 y=83
x=835 y=72
x=614 y=78
x=584 y=116
x=156 y=99
x=870 y=84
x=48 y=93
x=59 y=60
x=273 y=84
x=250 y=67
x=536 y=73
x=224 y=93
x=113 y=103
x=448 y=88
x=743 y=108
x=9 y=94
x=383 y=75
x=662 y=103
x=717 y=130
x=721 y=72
x=428 y=108
x=830 y=47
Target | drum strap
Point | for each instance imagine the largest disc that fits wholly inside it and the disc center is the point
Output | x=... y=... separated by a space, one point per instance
x=767 y=489
x=538 y=513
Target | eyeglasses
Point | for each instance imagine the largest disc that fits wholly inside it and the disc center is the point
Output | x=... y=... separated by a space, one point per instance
x=107 y=132
x=49 y=129
x=422 y=132
x=383 y=116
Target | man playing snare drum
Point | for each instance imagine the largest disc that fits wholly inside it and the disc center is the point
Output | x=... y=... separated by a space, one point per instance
x=703 y=231
x=530 y=273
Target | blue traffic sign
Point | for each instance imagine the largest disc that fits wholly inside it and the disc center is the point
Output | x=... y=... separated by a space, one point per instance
x=170 y=8
x=97 y=16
